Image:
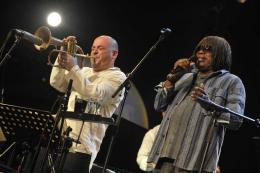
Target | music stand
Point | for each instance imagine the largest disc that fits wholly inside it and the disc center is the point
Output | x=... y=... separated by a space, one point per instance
x=21 y=123
x=83 y=117
x=87 y=117
x=13 y=118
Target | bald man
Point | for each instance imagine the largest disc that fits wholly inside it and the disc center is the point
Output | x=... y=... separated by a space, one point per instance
x=93 y=86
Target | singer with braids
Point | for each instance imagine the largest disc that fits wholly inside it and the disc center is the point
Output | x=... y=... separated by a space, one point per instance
x=187 y=125
x=93 y=86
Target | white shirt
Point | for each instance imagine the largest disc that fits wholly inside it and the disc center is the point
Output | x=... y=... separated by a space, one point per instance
x=145 y=148
x=88 y=84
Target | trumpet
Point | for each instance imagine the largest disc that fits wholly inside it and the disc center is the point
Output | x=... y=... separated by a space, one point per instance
x=75 y=55
x=44 y=34
x=42 y=39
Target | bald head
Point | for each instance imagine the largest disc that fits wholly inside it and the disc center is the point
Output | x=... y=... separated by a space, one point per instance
x=105 y=51
x=110 y=40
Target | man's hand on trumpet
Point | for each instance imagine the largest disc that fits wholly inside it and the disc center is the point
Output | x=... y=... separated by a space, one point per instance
x=65 y=59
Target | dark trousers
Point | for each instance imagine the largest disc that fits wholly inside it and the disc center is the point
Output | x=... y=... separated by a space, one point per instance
x=73 y=163
x=76 y=163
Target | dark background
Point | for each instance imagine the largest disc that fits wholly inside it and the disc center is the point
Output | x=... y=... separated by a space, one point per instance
x=136 y=26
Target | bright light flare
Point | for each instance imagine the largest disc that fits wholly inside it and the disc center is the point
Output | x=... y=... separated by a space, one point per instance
x=54 y=19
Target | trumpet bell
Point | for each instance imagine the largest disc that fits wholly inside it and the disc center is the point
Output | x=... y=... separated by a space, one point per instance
x=43 y=33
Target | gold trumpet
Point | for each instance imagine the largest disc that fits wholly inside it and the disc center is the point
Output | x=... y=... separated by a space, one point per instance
x=44 y=34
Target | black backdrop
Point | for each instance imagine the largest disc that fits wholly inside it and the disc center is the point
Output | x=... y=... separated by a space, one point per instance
x=137 y=26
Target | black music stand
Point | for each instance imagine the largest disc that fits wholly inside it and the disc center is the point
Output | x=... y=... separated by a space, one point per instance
x=80 y=116
x=26 y=124
x=87 y=117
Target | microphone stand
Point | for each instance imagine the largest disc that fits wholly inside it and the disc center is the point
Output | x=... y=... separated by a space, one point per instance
x=115 y=129
x=4 y=59
x=7 y=55
x=163 y=35
x=217 y=108
x=126 y=84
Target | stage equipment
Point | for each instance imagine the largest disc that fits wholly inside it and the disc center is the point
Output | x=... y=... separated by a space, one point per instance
x=42 y=39
x=23 y=127
x=215 y=109
x=127 y=85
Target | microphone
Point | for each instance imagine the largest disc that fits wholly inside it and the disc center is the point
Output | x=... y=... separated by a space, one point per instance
x=28 y=36
x=165 y=32
x=212 y=105
x=192 y=58
x=178 y=69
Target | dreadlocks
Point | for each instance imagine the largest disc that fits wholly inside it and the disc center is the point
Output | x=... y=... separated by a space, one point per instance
x=221 y=51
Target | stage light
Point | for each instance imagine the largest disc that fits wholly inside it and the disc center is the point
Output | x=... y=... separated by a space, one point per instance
x=54 y=19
